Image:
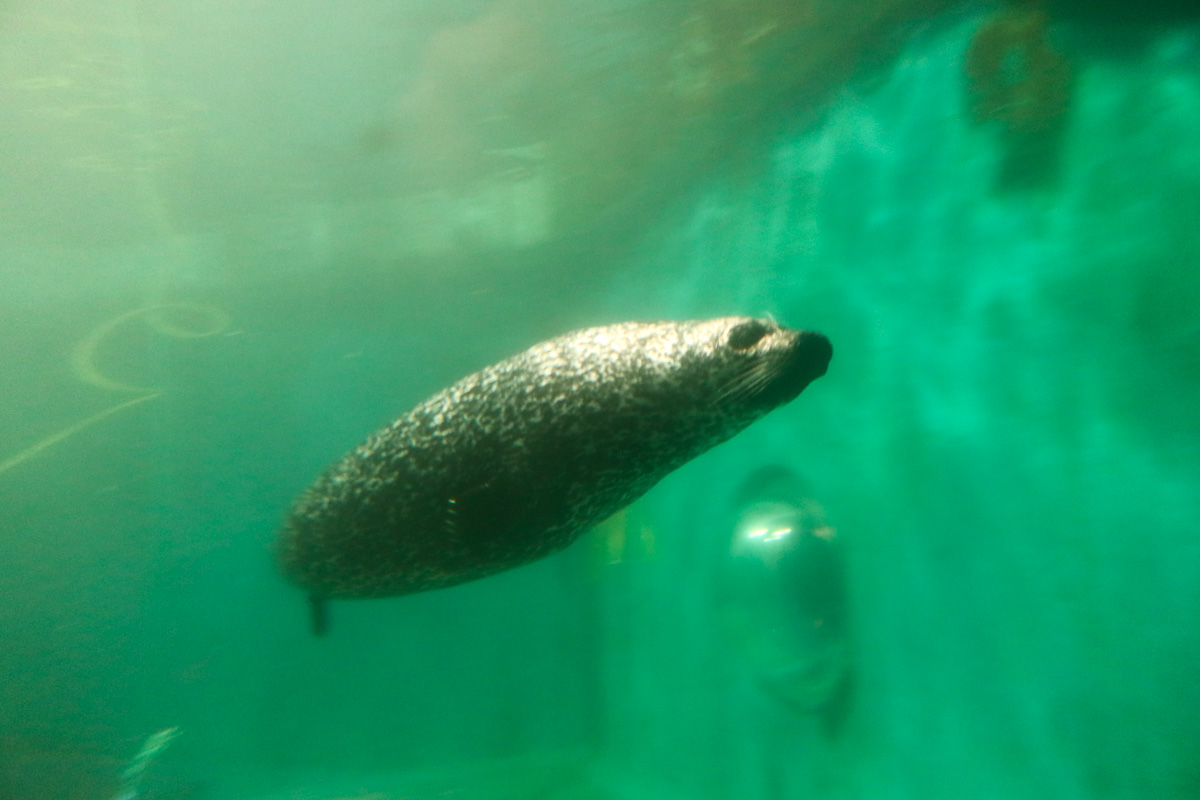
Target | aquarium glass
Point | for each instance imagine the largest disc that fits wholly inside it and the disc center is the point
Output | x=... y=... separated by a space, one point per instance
x=238 y=238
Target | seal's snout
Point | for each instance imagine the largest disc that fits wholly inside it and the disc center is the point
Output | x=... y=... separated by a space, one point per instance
x=814 y=351
x=807 y=359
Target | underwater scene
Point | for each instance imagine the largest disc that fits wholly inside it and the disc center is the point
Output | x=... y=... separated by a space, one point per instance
x=611 y=400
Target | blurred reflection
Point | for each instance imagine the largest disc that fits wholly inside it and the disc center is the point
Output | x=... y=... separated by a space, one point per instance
x=1018 y=82
x=135 y=771
x=783 y=597
x=174 y=320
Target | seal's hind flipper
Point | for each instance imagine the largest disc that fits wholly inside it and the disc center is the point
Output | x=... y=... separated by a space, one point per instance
x=318 y=614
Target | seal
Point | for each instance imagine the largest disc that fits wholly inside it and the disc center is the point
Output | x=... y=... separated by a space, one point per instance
x=514 y=462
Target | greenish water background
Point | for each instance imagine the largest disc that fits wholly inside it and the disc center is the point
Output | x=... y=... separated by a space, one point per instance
x=1007 y=441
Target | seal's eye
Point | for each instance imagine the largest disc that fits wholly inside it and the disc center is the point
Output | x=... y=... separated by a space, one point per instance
x=747 y=334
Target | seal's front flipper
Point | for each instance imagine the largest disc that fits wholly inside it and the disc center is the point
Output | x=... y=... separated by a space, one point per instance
x=318 y=614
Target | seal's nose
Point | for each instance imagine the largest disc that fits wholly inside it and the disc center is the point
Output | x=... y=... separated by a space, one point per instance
x=807 y=359
x=814 y=351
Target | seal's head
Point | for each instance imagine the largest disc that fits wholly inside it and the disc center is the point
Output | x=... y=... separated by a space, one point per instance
x=759 y=365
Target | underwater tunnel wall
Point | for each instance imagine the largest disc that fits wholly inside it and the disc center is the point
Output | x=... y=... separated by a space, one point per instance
x=1006 y=442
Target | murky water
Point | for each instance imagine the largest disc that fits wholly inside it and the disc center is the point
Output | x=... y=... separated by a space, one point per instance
x=235 y=239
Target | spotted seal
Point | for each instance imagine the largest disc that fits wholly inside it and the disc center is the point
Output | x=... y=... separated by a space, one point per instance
x=514 y=462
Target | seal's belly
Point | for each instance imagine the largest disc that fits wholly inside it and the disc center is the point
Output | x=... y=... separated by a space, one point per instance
x=454 y=511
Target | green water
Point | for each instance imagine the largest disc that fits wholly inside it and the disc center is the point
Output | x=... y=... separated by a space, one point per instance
x=234 y=239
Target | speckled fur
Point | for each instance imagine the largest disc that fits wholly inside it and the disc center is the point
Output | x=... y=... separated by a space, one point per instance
x=513 y=462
